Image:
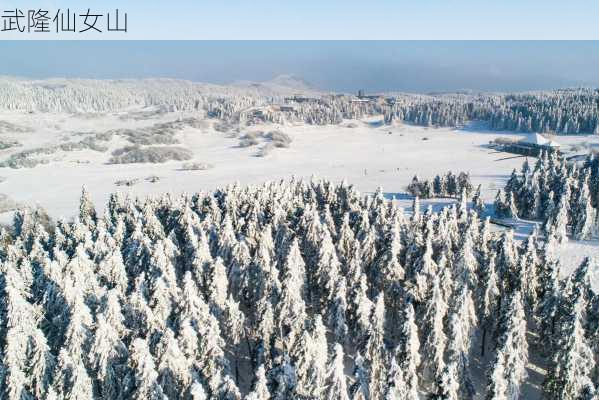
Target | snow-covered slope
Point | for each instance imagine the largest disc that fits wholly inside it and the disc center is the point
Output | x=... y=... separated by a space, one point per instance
x=87 y=95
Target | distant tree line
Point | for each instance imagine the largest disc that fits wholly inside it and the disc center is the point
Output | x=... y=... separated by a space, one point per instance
x=567 y=111
x=560 y=112
x=573 y=111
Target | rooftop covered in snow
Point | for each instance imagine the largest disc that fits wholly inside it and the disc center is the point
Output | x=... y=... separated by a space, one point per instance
x=538 y=140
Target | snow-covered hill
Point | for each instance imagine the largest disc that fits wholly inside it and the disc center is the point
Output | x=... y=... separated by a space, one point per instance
x=87 y=95
x=288 y=85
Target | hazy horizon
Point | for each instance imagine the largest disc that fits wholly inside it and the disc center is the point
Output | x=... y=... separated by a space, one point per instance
x=340 y=66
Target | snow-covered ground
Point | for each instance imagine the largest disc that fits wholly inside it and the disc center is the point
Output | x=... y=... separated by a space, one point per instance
x=367 y=153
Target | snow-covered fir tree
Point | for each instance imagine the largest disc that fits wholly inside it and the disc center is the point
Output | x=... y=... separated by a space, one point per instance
x=508 y=371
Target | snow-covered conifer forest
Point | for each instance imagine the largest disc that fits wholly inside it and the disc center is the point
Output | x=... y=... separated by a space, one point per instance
x=566 y=111
x=289 y=290
x=564 y=196
x=217 y=250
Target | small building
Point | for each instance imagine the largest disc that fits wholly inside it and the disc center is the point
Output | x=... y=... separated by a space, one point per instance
x=302 y=99
x=532 y=145
x=360 y=100
x=370 y=97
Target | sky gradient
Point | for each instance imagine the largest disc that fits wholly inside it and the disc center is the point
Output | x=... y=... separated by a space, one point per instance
x=339 y=19
x=414 y=66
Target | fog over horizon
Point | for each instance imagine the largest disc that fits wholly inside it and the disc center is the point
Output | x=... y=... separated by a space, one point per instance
x=340 y=66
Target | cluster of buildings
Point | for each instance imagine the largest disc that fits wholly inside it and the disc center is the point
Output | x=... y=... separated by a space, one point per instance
x=373 y=98
x=291 y=103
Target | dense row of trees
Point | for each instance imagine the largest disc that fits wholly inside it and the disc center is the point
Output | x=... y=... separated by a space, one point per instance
x=569 y=111
x=448 y=185
x=561 y=112
x=442 y=110
x=98 y=96
x=277 y=292
x=573 y=111
x=561 y=194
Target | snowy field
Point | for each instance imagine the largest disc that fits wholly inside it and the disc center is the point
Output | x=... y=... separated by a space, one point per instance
x=367 y=153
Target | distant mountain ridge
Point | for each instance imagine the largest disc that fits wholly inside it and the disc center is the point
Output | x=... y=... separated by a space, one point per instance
x=280 y=84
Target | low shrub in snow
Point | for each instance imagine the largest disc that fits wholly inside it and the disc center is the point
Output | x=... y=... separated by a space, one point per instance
x=248 y=142
x=272 y=139
x=154 y=154
x=223 y=127
x=265 y=150
x=196 y=166
x=8 y=144
x=278 y=138
x=127 y=182
x=42 y=155
x=9 y=127
x=153 y=179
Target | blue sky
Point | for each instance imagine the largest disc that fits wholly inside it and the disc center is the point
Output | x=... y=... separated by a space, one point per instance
x=417 y=66
x=185 y=28
x=344 y=19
